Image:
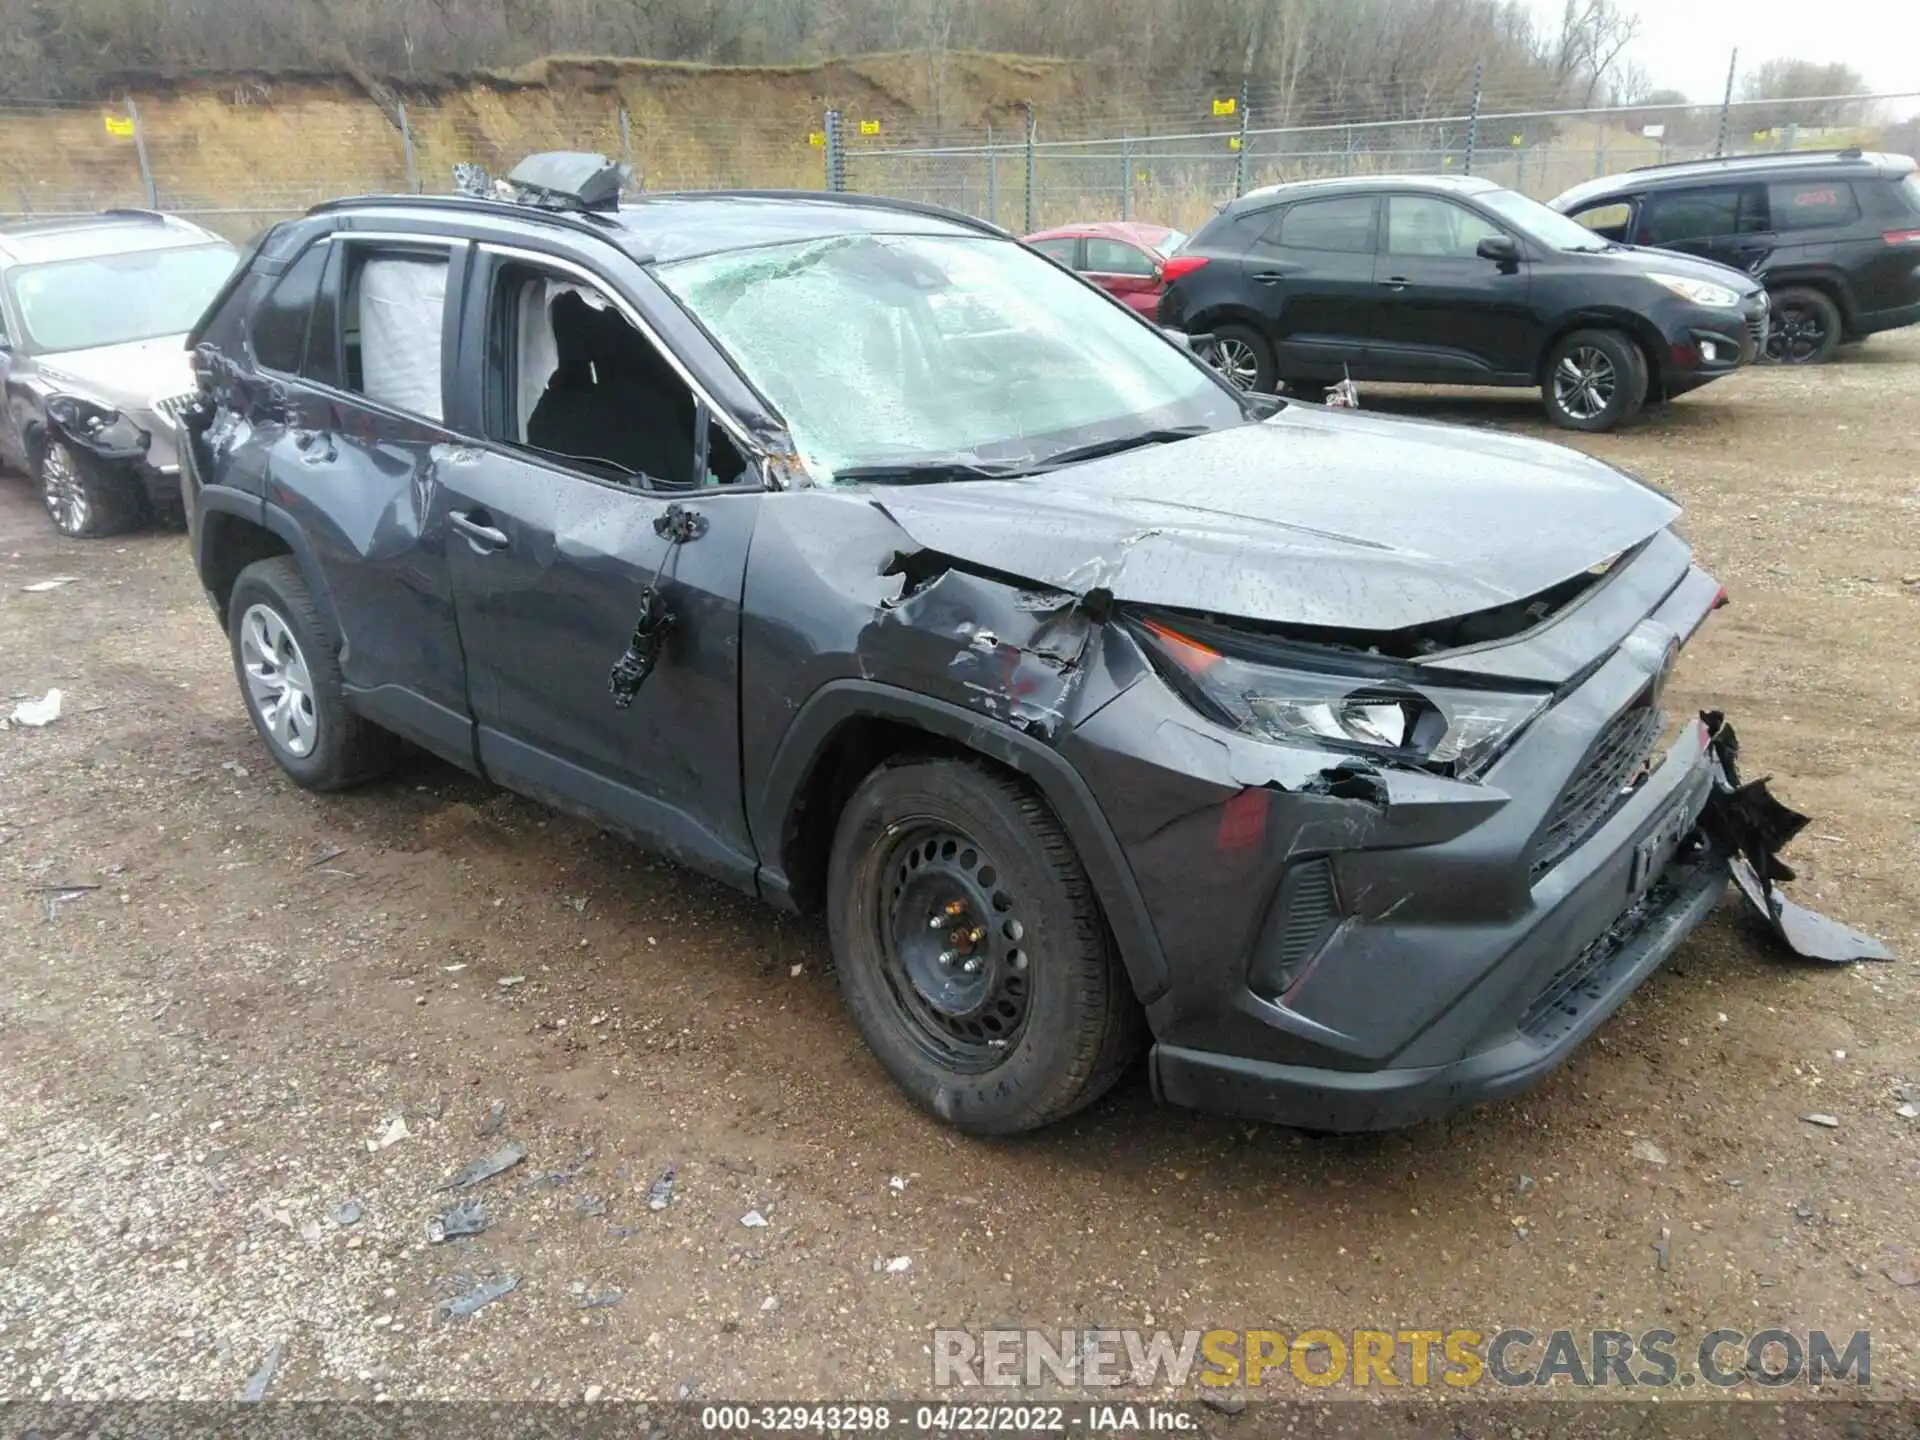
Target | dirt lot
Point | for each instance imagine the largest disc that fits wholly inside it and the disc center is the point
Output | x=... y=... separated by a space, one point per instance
x=195 y=1054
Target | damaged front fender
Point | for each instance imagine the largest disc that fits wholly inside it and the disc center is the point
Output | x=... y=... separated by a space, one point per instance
x=99 y=430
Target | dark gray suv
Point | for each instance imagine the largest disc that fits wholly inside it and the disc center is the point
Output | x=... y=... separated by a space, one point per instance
x=854 y=554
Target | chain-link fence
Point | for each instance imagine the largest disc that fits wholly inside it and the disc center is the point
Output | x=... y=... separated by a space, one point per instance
x=237 y=158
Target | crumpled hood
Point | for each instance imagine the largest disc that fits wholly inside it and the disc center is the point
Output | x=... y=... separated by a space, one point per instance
x=1324 y=518
x=132 y=377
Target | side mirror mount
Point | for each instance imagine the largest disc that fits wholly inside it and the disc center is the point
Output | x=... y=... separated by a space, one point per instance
x=1498 y=248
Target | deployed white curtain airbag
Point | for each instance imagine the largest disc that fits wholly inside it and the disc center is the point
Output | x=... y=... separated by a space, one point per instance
x=402 y=301
x=539 y=352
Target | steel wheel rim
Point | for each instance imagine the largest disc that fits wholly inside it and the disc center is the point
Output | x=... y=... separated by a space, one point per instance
x=1795 y=336
x=279 y=685
x=65 y=496
x=944 y=906
x=1585 y=382
x=1235 y=360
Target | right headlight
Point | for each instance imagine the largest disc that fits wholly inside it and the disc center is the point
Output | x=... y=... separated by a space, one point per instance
x=1357 y=705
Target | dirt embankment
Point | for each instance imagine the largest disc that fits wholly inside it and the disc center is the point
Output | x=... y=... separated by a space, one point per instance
x=283 y=140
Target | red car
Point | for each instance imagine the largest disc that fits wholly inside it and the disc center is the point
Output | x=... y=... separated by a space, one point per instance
x=1125 y=258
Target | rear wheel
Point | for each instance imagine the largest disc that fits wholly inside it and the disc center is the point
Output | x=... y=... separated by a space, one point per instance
x=1805 y=329
x=970 y=949
x=85 y=498
x=1243 y=355
x=287 y=663
x=1595 y=380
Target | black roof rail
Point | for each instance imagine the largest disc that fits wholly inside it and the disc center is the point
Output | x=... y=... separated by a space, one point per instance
x=834 y=197
x=1770 y=157
x=588 y=222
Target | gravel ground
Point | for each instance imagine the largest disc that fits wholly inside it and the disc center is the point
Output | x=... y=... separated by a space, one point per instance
x=204 y=1055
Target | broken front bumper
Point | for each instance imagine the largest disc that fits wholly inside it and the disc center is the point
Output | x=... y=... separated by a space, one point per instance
x=1546 y=979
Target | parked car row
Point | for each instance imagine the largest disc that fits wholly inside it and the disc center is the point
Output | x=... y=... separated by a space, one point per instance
x=1635 y=288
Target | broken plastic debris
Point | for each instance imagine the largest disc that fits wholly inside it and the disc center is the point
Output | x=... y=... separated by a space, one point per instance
x=591 y=1206
x=496 y=1119
x=754 y=1220
x=896 y=1184
x=660 y=1193
x=484 y=1293
x=41 y=587
x=480 y=1171
x=469 y=1217
x=1344 y=396
x=347 y=1213
x=507 y=982
x=256 y=1390
x=1648 y=1151
x=35 y=713
x=1908 y=1111
x=899 y=1263
x=1825 y=1122
x=392 y=1133
x=1809 y=935
x=601 y=1301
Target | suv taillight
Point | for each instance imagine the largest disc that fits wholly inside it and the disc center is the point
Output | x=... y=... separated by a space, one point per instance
x=1181 y=265
x=1902 y=237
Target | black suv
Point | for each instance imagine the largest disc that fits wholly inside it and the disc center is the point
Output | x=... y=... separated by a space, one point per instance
x=1453 y=281
x=1833 y=235
x=859 y=556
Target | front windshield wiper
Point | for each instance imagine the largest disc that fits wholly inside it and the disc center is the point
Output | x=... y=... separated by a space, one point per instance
x=923 y=472
x=1093 y=451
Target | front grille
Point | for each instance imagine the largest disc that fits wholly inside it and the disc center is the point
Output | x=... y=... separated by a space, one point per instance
x=174 y=406
x=1757 y=328
x=1600 y=786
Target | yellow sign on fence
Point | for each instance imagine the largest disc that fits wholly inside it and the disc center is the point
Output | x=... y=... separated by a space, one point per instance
x=1233 y=142
x=1226 y=106
x=119 y=125
x=818 y=139
x=869 y=127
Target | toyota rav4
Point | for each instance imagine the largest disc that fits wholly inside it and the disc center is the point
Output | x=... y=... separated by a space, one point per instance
x=854 y=554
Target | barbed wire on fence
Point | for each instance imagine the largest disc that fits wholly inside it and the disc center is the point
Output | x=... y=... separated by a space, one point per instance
x=241 y=159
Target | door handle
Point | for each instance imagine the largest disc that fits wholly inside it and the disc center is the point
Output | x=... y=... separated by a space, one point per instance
x=1395 y=282
x=480 y=535
x=1269 y=277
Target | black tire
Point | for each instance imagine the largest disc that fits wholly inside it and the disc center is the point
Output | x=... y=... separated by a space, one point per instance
x=1229 y=352
x=85 y=498
x=1055 y=1021
x=1805 y=327
x=1615 y=371
x=342 y=748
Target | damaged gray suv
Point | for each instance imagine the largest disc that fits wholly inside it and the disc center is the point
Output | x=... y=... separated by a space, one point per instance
x=850 y=552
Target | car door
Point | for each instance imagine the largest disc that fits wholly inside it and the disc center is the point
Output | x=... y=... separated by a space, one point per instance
x=595 y=474
x=1311 y=275
x=1442 y=312
x=1728 y=224
x=13 y=450
x=354 y=337
x=1124 y=271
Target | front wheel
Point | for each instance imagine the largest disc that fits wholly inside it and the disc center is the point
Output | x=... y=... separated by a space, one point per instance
x=1805 y=328
x=85 y=498
x=971 y=951
x=1595 y=380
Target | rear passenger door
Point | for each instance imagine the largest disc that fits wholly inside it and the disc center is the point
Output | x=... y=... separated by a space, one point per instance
x=1728 y=224
x=1124 y=271
x=357 y=334
x=1311 y=275
x=587 y=452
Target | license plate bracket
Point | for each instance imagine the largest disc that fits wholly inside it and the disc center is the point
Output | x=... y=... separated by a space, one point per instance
x=1660 y=844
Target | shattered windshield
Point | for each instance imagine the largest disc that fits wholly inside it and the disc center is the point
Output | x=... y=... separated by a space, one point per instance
x=115 y=299
x=884 y=350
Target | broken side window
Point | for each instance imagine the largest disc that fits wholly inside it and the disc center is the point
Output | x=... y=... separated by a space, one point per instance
x=572 y=380
x=280 y=320
x=391 y=324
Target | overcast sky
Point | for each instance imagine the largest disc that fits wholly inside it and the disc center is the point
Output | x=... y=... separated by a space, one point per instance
x=1684 y=44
